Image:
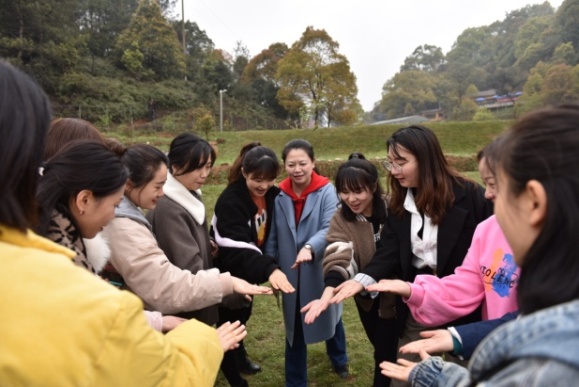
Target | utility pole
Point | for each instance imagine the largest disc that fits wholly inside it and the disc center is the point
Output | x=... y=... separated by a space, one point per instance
x=221 y=109
x=183 y=30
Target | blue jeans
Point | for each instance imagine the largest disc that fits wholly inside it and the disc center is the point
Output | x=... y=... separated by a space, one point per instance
x=296 y=356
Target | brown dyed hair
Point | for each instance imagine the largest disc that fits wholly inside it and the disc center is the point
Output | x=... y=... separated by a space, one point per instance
x=434 y=195
x=65 y=130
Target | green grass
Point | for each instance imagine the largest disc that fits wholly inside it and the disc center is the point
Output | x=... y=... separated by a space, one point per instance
x=456 y=138
x=265 y=341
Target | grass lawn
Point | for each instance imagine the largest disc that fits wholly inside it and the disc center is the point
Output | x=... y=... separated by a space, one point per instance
x=265 y=341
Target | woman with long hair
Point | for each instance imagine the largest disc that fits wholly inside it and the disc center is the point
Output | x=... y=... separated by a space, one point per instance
x=240 y=226
x=297 y=239
x=353 y=237
x=537 y=207
x=433 y=213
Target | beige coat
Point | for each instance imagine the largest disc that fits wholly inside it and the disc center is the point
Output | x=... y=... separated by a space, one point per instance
x=149 y=274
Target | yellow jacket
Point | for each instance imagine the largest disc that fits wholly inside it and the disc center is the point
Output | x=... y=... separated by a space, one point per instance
x=62 y=326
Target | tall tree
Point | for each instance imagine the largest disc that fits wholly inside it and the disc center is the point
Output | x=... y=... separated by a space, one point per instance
x=149 y=47
x=315 y=75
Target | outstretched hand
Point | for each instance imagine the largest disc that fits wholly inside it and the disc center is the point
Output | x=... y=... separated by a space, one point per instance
x=230 y=334
x=243 y=287
x=346 y=290
x=436 y=341
x=304 y=255
x=401 y=369
x=279 y=281
x=392 y=286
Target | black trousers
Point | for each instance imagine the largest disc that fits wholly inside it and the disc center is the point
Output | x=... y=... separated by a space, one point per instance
x=230 y=363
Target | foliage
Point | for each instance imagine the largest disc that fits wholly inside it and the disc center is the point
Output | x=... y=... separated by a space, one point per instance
x=149 y=47
x=203 y=120
x=314 y=75
x=483 y=114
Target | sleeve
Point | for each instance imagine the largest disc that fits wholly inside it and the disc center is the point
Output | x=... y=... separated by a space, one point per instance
x=174 y=234
x=151 y=276
x=155 y=320
x=472 y=334
x=436 y=372
x=436 y=301
x=188 y=355
x=231 y=228
x=338 y=256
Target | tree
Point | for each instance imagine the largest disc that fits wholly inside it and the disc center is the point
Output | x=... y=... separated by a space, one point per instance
x=150 y=36
x=408 y=93
x=426 y=58
x=315 y=75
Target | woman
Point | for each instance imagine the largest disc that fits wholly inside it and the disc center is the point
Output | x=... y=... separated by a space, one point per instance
x=98 y=335
x=433 y=212
x=488 y=276
x=80 y=187
x=142 y=265
x=302 y=214
x=178 y=221
x=240 y=227
x=353 y=236
x=537 y=207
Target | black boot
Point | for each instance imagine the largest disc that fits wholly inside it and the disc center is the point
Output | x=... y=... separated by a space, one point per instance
x=246 y=366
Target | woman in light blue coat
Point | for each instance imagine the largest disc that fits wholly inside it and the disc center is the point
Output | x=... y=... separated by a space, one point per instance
x=302 y=214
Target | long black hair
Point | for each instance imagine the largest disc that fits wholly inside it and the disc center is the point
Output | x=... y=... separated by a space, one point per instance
x=543 y=146
x=257 y=160
x=189 y=152
x=24 y=119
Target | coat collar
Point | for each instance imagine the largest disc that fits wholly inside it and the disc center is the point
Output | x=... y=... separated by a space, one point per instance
x=182 y=196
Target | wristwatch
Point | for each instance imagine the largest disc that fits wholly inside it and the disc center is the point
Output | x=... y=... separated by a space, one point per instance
x=308 y=246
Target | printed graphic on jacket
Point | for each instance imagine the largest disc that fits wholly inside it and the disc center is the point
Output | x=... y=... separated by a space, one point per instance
x=500 y=276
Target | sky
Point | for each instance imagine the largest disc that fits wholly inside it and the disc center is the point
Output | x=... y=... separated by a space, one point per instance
x=376 y=36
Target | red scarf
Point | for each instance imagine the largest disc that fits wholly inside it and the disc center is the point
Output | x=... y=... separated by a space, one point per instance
x=316 y=183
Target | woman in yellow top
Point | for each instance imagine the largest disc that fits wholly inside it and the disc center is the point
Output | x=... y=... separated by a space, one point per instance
x=60 y=324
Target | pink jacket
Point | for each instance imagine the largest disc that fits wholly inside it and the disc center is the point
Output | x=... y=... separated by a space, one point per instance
x=488 y=275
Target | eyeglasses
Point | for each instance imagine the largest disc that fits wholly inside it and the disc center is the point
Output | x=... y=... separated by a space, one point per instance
x=393 y=167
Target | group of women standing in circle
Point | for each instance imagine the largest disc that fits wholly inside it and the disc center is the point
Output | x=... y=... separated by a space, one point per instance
x=315 y=243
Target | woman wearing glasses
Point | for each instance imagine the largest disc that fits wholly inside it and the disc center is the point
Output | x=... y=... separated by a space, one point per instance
x=433 y=212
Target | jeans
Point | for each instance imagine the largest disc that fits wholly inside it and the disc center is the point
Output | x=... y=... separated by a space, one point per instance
x=296 y=355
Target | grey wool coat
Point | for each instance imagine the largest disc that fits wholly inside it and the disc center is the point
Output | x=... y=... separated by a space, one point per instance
x=284 y=242
x=179 y=225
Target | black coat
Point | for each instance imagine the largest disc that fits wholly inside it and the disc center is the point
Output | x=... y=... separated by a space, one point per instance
x=394 y=257
x=235 y=219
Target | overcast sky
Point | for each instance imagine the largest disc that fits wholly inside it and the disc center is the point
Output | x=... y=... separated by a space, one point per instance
x=376 y=36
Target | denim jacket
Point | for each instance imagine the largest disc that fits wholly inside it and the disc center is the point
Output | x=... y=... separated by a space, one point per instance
x=540 y=349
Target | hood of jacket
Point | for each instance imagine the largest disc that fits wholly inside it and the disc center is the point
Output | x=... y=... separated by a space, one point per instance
x=127 y=209
x=551 y=333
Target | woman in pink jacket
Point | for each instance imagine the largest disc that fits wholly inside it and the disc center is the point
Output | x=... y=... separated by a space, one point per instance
x=487 y=277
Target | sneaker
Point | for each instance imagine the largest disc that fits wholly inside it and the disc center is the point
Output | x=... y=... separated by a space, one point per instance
x=342 y=371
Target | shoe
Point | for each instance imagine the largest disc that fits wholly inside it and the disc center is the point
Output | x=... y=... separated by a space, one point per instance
x=247 y=367
x=342 y=371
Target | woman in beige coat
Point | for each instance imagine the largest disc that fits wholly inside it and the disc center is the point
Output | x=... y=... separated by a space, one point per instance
x=143 y=267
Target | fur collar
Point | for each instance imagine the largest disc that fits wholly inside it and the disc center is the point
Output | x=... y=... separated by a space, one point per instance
x=185 y=198
x=98 y=252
